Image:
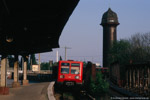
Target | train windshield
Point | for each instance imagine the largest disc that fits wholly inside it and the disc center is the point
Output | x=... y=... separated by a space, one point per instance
x=75 y=68
x=65 y=68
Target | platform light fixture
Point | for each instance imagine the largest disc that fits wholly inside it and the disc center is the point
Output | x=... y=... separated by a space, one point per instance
x=9 y=39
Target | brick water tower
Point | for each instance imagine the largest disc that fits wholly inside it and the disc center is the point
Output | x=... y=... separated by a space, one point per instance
x=109 y=23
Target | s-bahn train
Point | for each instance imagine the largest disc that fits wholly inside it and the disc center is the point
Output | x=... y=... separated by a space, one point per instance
x=70 y=73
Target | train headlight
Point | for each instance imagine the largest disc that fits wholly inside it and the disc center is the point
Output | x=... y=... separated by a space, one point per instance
x=76 y=77
x=62 y=76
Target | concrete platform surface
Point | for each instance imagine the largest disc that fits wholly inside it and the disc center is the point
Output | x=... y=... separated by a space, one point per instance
x=34 y=91
x=50 y=91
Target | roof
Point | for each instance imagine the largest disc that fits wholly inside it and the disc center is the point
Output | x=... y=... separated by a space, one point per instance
x=109 y=17
x=29 y=26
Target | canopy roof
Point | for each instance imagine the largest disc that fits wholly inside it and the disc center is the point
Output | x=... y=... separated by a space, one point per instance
x=32 y=26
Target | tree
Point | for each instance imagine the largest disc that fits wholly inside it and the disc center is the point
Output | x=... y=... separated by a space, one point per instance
x=135 y=49
x=120 y=52
x=99 y=87
x=60 y=58
x=21 y=63
x=140 y=44
x=11 y=60
x=33 y=59
x=45 y=66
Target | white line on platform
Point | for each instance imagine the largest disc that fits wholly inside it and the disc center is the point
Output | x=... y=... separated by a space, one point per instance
x=50 y=91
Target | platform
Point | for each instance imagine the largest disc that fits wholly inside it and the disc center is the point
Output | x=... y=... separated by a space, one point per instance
x=34 y=91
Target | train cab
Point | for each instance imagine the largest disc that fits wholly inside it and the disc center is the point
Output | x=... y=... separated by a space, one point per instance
x=70 y=73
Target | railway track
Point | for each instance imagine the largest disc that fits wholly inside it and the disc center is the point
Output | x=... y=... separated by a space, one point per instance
x=115 y=93
x=71 y=93
x=78 y=94
x=83 y=95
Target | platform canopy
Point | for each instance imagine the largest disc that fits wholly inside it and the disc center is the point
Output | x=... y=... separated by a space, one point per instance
x=32 y=26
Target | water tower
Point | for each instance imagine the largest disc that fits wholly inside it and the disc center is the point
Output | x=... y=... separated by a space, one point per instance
x=109 y=23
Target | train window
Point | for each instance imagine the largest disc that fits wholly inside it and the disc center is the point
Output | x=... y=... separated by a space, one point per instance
x=75 y=64
x=75 y=70
x=65 y=69
x=64 y=64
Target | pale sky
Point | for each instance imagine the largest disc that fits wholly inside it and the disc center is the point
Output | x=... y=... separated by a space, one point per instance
x=84 y=35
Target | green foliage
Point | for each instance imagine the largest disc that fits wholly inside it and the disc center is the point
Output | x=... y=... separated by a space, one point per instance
x=45 y=66
x=60 y=58
x=33 y=58
x=99 y=86
x=55 y=64
x=135 y=49
x=11 y=60
x=84 y=64
x=21 y=63
x=28 y=65
x=120 y=52
x=140 y=43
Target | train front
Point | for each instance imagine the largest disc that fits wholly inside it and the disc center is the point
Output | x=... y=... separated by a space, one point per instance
x=70 y=73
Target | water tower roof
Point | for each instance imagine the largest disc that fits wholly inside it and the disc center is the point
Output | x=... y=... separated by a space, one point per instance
x=109 y=17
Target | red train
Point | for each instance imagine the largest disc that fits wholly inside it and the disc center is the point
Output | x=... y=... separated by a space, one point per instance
x=70 y=73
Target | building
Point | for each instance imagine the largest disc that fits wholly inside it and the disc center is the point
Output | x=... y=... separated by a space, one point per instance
x=109 y=23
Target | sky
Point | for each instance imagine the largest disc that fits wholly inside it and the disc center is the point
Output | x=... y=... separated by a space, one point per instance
x=84 y=35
